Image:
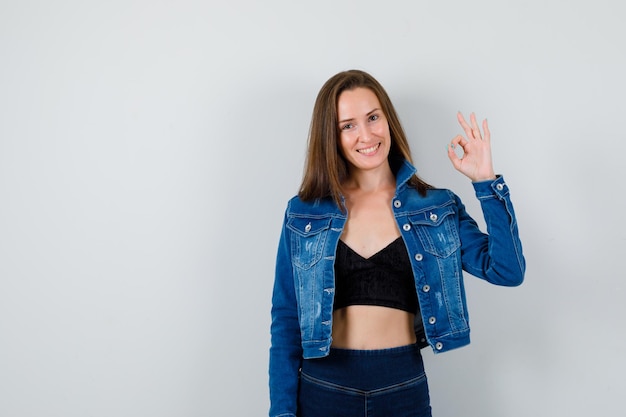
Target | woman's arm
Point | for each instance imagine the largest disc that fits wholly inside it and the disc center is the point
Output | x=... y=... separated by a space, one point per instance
x=495 y=256
x=286 y=346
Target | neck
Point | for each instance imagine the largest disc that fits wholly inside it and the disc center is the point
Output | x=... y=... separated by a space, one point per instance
x=371 y=180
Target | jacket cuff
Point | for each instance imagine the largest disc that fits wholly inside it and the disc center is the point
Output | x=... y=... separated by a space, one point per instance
x=496 y=188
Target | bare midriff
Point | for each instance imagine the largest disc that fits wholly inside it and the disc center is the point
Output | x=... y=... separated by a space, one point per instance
x=364 y=327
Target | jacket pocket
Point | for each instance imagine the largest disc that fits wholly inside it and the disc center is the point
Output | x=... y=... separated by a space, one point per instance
x=307 y=240
x=437 y=230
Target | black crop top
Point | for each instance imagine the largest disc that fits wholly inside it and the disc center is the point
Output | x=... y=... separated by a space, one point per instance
x=384 y=279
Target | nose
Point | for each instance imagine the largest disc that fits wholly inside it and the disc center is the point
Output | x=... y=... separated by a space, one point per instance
x=365 y=133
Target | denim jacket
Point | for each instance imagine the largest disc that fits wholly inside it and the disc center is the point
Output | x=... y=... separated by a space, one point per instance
x=441 y=239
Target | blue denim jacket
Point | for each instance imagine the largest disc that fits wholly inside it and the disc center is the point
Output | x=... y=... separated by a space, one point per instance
x=441 y=239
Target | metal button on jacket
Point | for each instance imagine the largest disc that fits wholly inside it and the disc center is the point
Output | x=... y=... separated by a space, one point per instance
x=439 y=346
x=426 y=288
x=500 y=187
x=419 y=257
x=307 y=228
x=397 y=204
x=406 y=227
x=433 y=217
x=432 y=320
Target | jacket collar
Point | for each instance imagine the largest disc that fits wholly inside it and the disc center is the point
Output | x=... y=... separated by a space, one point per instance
x=406 y=171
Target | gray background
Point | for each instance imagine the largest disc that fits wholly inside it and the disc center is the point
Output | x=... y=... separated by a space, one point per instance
x=147 y=150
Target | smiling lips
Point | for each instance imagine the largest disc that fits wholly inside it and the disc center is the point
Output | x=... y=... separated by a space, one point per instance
x=370 y=150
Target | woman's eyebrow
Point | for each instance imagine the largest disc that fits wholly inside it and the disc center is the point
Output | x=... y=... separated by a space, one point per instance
x=367 y=114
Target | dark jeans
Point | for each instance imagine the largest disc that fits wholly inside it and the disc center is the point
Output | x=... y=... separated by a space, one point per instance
x=365 y=383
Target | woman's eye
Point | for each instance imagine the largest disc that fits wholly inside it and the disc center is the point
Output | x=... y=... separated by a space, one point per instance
x=374 y=117
x=347 y=126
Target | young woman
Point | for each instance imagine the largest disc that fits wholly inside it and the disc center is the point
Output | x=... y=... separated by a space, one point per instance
x=370 y=260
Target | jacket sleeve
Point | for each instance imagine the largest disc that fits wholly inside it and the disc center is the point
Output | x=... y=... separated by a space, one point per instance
x=286 y=346
x=496 y=256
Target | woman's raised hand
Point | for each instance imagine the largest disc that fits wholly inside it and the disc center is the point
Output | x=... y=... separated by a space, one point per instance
x=476 y=161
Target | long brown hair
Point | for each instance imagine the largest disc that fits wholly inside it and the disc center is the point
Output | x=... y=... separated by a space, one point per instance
x=325 y=167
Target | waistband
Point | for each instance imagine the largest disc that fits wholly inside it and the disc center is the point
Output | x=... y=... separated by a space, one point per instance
x=367 y=369
x=400 y=350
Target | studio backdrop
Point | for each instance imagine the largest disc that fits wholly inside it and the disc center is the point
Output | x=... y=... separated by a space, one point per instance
x=148 y=149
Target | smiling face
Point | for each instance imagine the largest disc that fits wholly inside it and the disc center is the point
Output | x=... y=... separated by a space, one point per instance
x=364 y=138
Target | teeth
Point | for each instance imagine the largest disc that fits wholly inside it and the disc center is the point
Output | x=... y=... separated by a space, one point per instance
x=369 y=150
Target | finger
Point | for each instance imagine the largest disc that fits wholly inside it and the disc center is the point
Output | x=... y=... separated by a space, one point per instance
x=486 y=130
x=456 y=156
x=475 y=130
x=460 y=141
x=466 y=127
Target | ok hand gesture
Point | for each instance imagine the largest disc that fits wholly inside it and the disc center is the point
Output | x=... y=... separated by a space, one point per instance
x=476 y=161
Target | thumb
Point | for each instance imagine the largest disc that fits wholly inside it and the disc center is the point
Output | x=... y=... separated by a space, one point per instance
x=454 y=158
